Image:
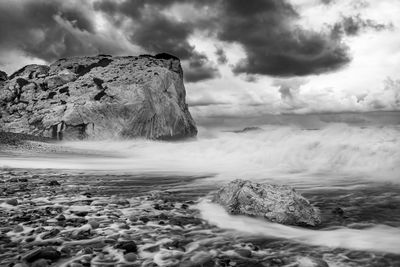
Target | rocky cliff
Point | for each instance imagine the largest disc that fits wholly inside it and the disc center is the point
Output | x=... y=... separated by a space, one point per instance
x=98 y=97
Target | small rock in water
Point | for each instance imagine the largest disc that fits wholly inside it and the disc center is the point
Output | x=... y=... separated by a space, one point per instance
x=53 y=183
x=339 y=211
x=48 y=253
x=18 y=228
x=311 y=262
x=40 y=263
x=243 y=252
x=81 y=213
x=12 y=201
x=127 y=246
x=61 y=218
x=201 y=258
x=94 y=224
x=51 y=234
x=130 y=257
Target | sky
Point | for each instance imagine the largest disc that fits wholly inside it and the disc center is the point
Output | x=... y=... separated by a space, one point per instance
x=240 y=58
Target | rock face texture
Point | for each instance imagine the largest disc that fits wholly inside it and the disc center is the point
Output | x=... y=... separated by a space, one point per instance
x=275 y=203
x=98 y=97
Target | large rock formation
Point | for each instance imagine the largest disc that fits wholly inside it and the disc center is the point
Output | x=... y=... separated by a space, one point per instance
x=100 y=97
x=275 y=203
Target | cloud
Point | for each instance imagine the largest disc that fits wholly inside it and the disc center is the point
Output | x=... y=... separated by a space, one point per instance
x=289 y=88
x=354 y=25
x=221 y=56
x=266 y=29
x=274 y=44
x=50 y=30
x=199 y=68
x=161 y=34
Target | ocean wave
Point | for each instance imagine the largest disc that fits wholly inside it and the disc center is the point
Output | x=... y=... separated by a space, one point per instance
x=278 y=152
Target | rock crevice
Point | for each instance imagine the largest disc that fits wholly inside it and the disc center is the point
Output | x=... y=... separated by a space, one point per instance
x=142 y=96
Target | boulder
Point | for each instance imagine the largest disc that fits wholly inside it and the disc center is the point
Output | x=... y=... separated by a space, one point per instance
x=98 y=97
x=276 y=203
x=3 y=76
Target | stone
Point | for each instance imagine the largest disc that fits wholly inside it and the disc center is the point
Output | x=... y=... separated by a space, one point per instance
x=48 y=253
x=94 y=224
x=52 y=233
x=3 y=76
x=40 y=263
x=276 y=203
x=243 y=252
x=339 y=211
x=61 y=217
x=12 y=201
x=201 y=258
x=53 y=183
x=18 y=228
x=130 y=257
x=127 y=246
x=311 y=262
x=98 y=97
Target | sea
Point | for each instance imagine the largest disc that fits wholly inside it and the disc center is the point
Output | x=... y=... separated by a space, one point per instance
x=347 y=162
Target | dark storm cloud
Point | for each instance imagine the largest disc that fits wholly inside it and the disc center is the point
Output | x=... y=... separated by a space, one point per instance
x=160 y=34
x=50 y=30
x=274 y=46
x=266 y=29
x=156 y=33
x=200 y=68
x=355 y=25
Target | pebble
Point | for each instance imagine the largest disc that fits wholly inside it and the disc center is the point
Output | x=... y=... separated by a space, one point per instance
x=61 y=217
x=130 y=257
x=127 y=246
x=201 y=257
x=40 y=263
x=243 y=252
x=53 y=183
x=18 y=228
x=12 y=201
x=94 y=224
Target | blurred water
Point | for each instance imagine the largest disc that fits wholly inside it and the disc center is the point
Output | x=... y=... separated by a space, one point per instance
x=352 y=162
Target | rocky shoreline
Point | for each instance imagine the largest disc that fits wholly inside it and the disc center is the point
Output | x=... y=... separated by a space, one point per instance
x=49 y=220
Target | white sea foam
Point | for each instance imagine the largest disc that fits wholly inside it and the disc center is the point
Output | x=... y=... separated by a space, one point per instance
x=377 y=238
x=281 y=152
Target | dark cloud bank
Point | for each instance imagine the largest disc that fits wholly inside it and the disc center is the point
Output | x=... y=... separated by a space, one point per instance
x=266 y=29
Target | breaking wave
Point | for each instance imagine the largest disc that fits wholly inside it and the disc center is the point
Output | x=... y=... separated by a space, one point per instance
x=273 y=151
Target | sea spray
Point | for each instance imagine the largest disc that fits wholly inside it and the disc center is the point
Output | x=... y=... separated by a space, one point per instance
x=284 y=152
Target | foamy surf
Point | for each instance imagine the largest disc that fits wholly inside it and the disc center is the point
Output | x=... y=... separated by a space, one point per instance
x=288 y=152
x=378 y=238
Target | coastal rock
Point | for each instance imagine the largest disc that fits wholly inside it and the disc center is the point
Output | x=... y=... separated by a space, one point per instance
x=12 y=202
x=3 y=76
x=275 y=203
x=98 y=97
